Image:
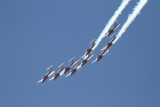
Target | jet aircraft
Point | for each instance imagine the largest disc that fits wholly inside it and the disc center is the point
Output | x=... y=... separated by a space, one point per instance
x=108 y=45
x=44 y=78
x=99 y=57
x=84 y=61
x=89 y=50
x=73 y=71
x=113 y=29
x=66 y=69
x=56 y=75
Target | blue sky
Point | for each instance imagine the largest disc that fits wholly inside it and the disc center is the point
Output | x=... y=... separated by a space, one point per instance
x=38 y=33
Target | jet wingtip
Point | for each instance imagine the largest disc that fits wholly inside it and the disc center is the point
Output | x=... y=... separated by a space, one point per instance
x=67 y=75
x=50 y=79
x=94 y=61
x=83 y=56
x=38 y=81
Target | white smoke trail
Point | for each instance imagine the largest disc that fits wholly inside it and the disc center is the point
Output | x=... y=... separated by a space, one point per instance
x=131 y=18
x=111 y=21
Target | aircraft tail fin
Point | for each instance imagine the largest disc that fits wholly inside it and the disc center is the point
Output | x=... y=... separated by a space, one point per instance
x=61 y=66
x=72 y=61
x=113 y=36
x=78 y=63
x=106 y=52
x=93 y=42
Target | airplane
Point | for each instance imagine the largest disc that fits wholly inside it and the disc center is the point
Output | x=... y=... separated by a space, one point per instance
x=84 y=61
x=73 y=71
x=44 y=78
x=99 y=57
x=89 y=50
x=56 y=75
x=113 y=29
x=66 y=69
x=108 y=45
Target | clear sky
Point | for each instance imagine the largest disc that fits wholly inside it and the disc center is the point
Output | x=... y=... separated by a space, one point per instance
x=35 y=34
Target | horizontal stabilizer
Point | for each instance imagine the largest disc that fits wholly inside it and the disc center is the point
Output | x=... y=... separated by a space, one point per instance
x=93 y=42
x=113 y=36
x=78 y=63
x=49 y=67
x=61 y=66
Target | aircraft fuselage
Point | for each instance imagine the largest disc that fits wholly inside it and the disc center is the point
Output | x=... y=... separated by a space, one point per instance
x=99 y=58
x=44 y=78
x=56 y=76
x=73 y=71
x=84 y=62
x=68 y=68
x=110 y=32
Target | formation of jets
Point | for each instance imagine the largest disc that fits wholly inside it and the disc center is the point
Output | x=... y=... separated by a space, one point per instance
x=86 y=57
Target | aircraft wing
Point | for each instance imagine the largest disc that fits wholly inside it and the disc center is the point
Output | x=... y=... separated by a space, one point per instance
x=51 y=78
x=68 y=74
x=103 y=48
x=51 y=73
x=40 y=81
x=94 y=61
